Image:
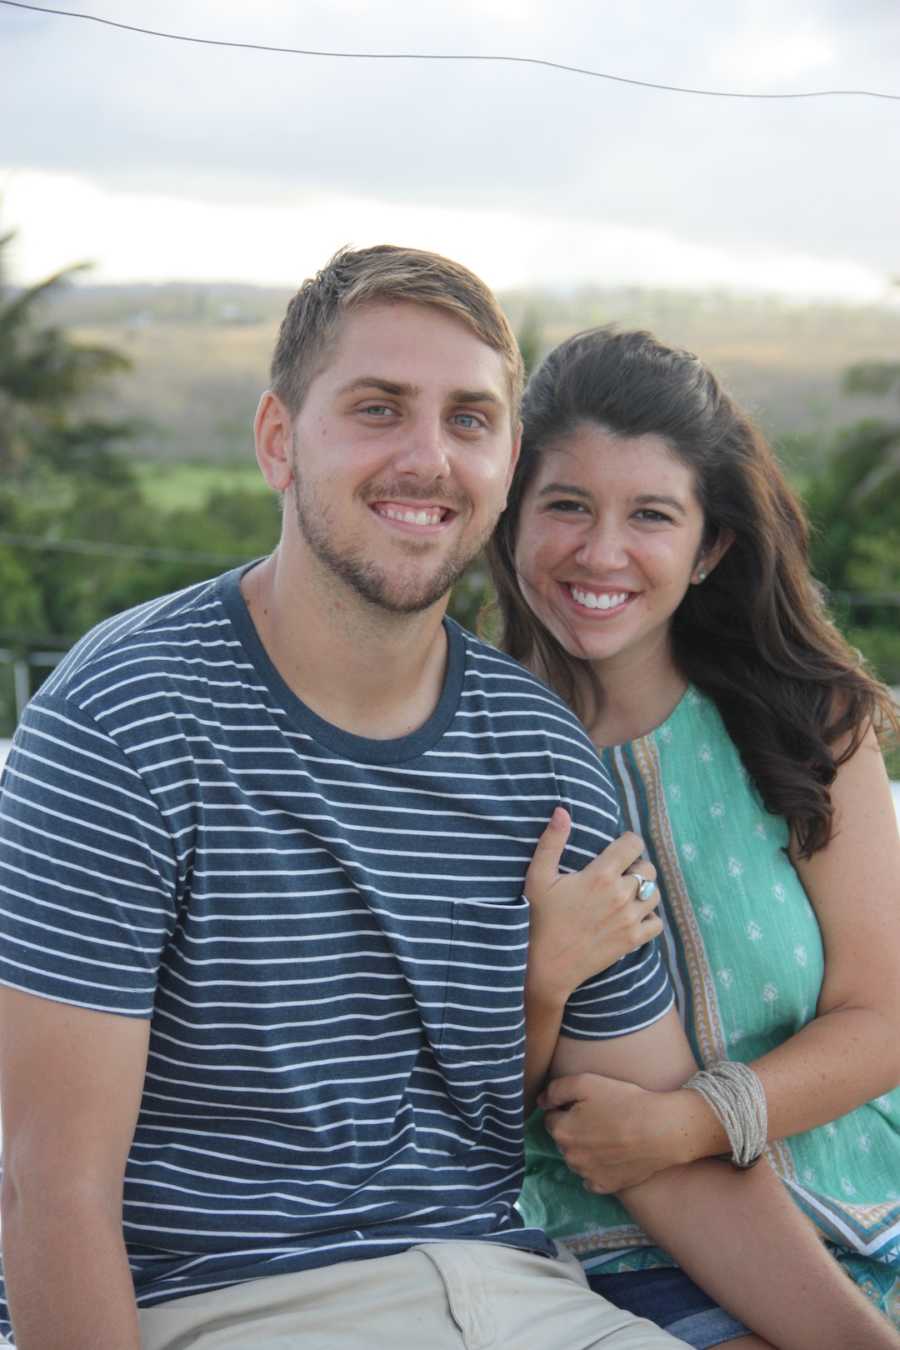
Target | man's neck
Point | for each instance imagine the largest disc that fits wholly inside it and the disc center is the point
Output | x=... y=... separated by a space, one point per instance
x=362 y=669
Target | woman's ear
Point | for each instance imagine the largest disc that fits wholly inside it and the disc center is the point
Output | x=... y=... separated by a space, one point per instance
x=710 y=557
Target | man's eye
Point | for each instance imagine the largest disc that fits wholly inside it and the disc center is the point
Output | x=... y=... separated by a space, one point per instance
x=468 y=421
x=377 y=410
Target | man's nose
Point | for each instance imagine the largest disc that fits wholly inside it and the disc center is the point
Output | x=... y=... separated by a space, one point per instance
x=422 y=449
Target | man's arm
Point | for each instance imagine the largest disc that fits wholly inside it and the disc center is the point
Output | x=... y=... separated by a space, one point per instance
x=70 y=1086
x=736 y=1233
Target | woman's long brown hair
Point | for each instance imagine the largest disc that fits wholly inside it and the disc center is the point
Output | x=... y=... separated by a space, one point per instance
x=755 y=636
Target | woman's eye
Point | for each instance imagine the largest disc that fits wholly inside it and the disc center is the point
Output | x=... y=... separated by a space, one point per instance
x=654 y=517
x=568 y=506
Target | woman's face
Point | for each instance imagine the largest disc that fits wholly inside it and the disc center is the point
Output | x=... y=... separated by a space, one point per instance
x=609 y=538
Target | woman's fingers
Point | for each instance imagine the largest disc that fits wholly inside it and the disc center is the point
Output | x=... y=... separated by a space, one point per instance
x=544 y=867
x=619 y=856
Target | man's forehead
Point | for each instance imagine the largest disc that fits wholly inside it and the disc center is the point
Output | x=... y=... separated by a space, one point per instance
x=408 y=346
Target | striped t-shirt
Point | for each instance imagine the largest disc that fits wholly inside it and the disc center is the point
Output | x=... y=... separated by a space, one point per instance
x=327 y=932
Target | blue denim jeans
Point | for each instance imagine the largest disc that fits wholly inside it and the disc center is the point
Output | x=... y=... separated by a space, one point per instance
x=671 y=1300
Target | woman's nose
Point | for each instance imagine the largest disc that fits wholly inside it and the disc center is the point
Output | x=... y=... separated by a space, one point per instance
x=603 y=546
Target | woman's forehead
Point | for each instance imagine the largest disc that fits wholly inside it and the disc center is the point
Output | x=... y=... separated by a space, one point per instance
x=595 y=452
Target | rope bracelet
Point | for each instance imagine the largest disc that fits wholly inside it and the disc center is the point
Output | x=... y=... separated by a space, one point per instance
x=736 y=1095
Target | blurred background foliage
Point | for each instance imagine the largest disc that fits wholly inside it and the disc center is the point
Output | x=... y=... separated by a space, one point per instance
x=90 y=523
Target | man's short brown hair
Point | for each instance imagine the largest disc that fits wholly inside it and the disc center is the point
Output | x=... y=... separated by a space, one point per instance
x=384 y=274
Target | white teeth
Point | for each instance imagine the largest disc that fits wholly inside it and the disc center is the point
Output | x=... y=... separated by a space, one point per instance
x=591 y=600
x=411 y=516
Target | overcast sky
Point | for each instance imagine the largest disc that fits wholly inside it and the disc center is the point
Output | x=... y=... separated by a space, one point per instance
x=168 y=160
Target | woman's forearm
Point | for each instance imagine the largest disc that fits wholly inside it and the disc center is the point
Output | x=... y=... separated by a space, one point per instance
x=838 y=1061
x=543 y=1018
x=739 y=1236
x=834 y=1064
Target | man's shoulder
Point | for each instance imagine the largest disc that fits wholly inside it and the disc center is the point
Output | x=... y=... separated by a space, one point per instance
x=513 y=689
x=147 y=643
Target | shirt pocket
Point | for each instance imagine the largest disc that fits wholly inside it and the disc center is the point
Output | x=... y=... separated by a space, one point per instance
x=482 y=1023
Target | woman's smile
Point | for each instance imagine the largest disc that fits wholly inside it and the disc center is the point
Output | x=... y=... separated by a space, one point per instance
x=610 y=534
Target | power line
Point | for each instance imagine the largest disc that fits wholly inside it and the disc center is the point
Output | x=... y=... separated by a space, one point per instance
x=448 y=56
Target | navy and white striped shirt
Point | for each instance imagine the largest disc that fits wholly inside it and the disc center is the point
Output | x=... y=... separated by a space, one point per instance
x=327 y=932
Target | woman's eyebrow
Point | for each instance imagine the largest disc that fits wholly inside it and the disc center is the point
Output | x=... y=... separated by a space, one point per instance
x=642 y=499
x=568 y=489
x=660 y=499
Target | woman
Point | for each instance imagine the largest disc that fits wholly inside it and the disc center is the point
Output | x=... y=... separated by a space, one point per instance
x=652 y=567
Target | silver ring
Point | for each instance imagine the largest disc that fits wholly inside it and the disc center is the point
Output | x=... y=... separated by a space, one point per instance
x=646 y=889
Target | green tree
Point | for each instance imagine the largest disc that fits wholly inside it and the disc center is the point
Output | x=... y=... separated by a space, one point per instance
x=530 y=338
x=42 y=371
x=854 y=506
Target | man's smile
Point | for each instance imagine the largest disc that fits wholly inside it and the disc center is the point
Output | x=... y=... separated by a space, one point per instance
x=417 y=516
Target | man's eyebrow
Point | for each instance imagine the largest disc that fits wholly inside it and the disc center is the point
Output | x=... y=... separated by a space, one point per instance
x=483 y=396
x=475 y=396
x=377 y=382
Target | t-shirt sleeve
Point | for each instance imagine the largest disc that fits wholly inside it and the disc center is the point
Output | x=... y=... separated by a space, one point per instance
x=634 y=992
x=87 y=867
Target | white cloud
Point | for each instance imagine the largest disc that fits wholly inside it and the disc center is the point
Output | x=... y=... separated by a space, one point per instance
x=186 y=147
x=140 y=236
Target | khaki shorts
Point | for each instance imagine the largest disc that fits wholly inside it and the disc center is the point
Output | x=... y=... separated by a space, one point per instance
x=439 y=1296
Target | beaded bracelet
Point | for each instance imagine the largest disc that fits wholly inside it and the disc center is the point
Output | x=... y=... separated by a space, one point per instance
x=736 y=1095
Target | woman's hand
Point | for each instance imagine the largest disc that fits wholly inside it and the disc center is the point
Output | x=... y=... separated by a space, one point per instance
x=582 y=922
x=615 y=1134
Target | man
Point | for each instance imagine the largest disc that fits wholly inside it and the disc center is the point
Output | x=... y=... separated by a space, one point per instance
x=263 y=933
x=263 y=853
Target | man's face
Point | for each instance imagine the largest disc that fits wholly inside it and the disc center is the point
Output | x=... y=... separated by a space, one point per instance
x=402 y=454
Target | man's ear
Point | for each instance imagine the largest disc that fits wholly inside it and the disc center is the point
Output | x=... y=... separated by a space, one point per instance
x=710 y=558
x=273 y=437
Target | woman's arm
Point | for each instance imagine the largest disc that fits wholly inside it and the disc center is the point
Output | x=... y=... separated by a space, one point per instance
x=580 y=924
x=737 y=1234
x=848 y=1054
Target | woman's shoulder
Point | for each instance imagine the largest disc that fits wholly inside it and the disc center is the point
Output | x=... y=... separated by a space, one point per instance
x=691 y=764
x=694 y=721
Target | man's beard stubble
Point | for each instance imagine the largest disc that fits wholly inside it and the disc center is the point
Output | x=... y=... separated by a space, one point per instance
x=371 y=582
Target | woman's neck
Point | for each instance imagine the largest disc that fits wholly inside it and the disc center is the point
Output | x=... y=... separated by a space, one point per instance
x=634 y=699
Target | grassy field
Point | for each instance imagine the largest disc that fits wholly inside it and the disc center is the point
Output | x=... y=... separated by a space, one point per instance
x=200 y=355
x=171 y=485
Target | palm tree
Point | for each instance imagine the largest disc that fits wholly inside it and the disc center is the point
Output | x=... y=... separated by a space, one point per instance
x=41 y=369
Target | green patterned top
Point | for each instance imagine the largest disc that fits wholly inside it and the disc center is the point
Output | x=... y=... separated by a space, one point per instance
x=745 y=956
